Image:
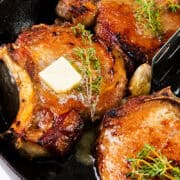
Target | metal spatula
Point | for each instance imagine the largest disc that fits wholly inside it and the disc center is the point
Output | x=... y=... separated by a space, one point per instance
x=166 y=65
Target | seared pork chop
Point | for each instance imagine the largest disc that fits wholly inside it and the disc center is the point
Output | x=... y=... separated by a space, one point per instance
x=47 y=119
x=137 y=29
x=117 y=24
x=153 y=120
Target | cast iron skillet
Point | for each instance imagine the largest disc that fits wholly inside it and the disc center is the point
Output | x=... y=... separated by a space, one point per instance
x=14 y=16
x=18 y=14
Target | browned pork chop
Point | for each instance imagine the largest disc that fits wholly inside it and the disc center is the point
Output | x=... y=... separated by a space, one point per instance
x=117 y=24
x=136 y=29
x=46 y=119
x=153 y=120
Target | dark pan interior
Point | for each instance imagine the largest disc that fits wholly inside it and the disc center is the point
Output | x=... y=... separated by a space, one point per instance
x=18 y=14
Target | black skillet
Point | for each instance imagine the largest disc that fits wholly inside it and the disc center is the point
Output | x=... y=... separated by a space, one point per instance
x=18 y=14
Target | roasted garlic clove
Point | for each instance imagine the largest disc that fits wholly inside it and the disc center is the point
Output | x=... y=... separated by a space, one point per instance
x=140 y=83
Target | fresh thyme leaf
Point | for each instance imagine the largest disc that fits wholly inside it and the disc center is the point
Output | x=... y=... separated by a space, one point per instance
x=79 y=88
x=96 y=84
x=96 y=64
x=148 y=14
x=176 y=173
x=172 y=6
x=85 y=34
x=150 y=163
x=131 y=159
x=145 y=151
x=90 y=67
x=156 y=169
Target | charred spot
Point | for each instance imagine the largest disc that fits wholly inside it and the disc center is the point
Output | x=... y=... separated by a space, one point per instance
x=70 y=43
x=117 y=83
x=51 y=136
x=114 y=133
x=62 y=134
x=135 y=55
x=18 y=123
x=23 y=100
x=55 y=33
x=112 y=113
x=83 y=9
x=108 y=49
x=77 y=11
x=132 y=51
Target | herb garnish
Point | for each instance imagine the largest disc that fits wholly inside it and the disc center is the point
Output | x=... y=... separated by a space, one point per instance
x=150 y=163
x=85 y=34
x=90 y=68
x=148 y=15
x=173 y=6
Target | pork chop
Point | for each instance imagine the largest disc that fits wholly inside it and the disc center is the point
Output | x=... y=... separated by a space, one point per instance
x=153 y=120
x=48 y=120
x=136 y=28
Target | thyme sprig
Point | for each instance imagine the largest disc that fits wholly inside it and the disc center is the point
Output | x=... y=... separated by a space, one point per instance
x=91 y=73
x=150 y=163
x=148 y=16
x=86 y=35
x=90 y=68
x=172 y=6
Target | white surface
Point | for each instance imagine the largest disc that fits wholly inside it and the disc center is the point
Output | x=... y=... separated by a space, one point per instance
x=60 y=75
x=6 y=172
x=4 y=175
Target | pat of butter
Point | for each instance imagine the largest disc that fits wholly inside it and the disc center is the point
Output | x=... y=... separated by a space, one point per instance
x=60 y=75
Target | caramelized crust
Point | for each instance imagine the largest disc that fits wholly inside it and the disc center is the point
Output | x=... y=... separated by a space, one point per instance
x=153 y=120
x=37 y=48
x=46 y=119
x=48 y=134
x=78 y=11
x=117 y=25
